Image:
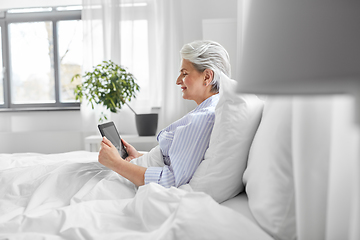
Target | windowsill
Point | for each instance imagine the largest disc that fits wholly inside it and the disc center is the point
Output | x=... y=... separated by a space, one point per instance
x=40 y=109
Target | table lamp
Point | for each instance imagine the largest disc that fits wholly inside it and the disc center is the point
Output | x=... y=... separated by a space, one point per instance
x=300 y=47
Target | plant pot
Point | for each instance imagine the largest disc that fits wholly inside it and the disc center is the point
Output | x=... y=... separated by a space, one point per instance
x=146 y=124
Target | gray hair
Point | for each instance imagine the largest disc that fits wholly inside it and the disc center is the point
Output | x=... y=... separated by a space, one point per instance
x=206 y=54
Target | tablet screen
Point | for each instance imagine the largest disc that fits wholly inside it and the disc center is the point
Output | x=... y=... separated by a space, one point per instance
x=110 y=132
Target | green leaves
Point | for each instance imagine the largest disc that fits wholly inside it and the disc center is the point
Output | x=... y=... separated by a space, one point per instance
x=108 y=84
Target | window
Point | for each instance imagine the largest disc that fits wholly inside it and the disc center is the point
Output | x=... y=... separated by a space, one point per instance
x=42 y=50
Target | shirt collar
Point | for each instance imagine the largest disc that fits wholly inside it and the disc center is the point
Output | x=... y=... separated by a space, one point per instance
x=210 y=101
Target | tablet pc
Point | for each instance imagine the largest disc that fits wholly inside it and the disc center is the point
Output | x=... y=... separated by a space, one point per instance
x=109 y=131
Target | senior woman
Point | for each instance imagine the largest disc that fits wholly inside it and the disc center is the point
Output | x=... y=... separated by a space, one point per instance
x=183 y=143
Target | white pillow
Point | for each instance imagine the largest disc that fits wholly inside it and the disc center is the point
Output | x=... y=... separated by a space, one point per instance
x=269 y=174
x=236 y=120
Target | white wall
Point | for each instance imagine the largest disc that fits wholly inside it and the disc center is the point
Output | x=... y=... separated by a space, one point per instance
x=55 y=131
x=40 y=131
x=200 y=16
x=194 y=11
x=61 y=131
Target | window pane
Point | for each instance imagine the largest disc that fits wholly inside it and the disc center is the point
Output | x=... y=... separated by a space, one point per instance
x=70 y=56
x=32 y=65
x=1 y=73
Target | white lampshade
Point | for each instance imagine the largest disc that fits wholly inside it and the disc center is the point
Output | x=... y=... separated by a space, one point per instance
x=300 y=47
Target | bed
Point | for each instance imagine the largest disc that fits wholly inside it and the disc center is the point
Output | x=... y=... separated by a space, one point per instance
x=234 y=194
x=71 y=196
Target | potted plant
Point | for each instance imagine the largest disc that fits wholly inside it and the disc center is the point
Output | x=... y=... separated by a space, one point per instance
x=112 y=86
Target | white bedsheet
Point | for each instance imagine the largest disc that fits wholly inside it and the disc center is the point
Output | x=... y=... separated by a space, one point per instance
x=72 y=196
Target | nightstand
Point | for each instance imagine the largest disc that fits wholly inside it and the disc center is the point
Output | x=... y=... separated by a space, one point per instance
x=92 y=143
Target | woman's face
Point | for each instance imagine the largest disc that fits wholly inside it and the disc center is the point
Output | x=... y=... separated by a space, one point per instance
x=192 y=82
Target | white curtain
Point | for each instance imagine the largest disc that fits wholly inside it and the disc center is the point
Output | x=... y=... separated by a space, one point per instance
x=166 y=55
x=326 y=167
x=112 y=30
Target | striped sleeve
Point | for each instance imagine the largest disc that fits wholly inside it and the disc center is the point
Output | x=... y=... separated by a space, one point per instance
x=186 y=152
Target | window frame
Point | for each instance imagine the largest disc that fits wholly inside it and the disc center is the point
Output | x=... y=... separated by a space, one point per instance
x=54 y=16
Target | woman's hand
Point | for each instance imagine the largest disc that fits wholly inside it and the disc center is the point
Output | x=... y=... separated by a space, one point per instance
x=132 y=152
x=109 y=155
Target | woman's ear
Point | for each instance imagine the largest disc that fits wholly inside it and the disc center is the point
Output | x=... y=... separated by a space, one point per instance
x=208 y=76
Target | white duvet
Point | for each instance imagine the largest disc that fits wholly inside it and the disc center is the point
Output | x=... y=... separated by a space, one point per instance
x=72 y=196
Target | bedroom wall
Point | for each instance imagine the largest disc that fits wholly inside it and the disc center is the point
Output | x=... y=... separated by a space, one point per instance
x=61 y=131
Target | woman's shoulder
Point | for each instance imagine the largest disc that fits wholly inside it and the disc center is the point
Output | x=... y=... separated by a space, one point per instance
x=208 y=106
x=206 y=114
x=210 y=110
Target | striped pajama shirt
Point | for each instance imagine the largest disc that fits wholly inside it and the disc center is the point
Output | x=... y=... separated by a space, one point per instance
x=183 y=145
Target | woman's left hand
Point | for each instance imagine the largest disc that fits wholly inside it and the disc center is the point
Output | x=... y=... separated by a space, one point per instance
x=109 y=155
x=131 y=151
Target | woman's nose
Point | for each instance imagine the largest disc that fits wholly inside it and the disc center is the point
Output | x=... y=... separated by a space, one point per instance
x=179 y=80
